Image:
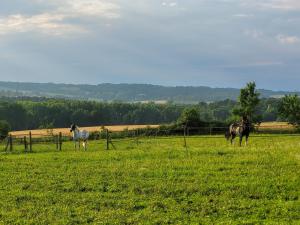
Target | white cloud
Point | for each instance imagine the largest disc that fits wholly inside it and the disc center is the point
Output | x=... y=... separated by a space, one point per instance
x=243 y=15
x=169 y=4
x=90 y=8
x=282 y=4
x=45 y=23
x=287 y=5
x=255 y=34
x=284 y=39
x=55 y=22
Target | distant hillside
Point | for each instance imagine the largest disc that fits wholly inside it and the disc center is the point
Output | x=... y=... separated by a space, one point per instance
x=126 y=92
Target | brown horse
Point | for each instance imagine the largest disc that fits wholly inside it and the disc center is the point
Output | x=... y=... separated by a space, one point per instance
x=239 y=129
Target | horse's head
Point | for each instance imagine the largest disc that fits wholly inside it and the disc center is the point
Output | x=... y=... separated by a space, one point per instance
x=227 y=135
x=73 y=127
x=245 y=120
x=246 y=124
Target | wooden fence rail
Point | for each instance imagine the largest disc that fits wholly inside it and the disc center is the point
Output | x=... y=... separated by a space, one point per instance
x=110 y=138
x=28 y=142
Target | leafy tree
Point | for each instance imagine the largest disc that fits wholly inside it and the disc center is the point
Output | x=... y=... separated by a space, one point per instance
x=190 y=117
x=289 y=109
x=268 y=109
x=4 y=129
x=247 y=103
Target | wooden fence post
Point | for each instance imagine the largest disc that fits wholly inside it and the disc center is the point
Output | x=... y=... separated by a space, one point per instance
x=25 y=144
x=56 y=141
x=107 y=139
x=7 y=144
x=184 y=137
x=137 y=137
x=30 y=141
x=10 y=143
x=60 y=141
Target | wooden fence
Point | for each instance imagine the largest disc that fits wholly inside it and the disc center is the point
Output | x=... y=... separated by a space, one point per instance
x=110 y=138
x=27 y=141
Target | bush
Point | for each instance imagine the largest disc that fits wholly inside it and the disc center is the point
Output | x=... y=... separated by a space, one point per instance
x=4 y=129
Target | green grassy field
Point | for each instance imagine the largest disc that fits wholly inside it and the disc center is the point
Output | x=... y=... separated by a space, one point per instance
x=156 y=182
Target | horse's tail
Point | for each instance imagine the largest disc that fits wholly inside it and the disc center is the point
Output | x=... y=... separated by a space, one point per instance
x=227 y=135
x=230 y=131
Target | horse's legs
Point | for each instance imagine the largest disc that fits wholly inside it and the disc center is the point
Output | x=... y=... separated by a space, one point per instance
x=77 y=144
x=84 y=144
x=247 y=136
x=232 y=138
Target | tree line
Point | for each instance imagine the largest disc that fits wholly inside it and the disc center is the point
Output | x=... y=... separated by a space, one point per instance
x=26 y=113
x=34 y=113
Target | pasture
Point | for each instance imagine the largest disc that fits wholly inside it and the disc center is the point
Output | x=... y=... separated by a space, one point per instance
x=157 y=181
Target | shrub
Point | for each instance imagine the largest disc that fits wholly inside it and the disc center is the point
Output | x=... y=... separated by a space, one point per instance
x=4 y=129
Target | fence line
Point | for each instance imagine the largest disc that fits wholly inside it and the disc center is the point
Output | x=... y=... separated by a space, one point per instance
x=29 y=140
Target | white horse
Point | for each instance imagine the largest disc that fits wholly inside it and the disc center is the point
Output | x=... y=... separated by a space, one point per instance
x=79 y=135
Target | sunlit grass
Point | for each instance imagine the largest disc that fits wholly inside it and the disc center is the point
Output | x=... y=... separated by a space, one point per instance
x=154 y=181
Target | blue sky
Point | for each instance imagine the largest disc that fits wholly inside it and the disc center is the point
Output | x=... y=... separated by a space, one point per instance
x=218 y=43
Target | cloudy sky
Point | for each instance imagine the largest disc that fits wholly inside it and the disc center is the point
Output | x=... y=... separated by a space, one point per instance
x=218 y=43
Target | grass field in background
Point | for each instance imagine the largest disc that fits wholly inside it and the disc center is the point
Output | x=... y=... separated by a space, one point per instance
x=266 y=126
x=66 y=131
x=157 y=181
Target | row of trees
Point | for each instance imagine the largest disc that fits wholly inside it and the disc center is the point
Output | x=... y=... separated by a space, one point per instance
x=49 y=113
x=33 y=113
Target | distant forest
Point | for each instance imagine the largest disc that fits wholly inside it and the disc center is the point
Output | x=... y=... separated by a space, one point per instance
x=126 y=92
x=33 y=112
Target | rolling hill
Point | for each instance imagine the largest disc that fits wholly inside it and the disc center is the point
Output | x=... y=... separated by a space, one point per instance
x=126 y=92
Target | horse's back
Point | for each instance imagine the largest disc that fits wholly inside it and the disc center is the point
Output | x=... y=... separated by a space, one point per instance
x=84 y=134
x=234 y=129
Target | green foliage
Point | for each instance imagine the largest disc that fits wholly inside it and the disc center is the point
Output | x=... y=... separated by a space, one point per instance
x=14 y=113
x=4 y=129
x=154 y=182
x=190 y=117
x=32 y=113
x=248 y=102
x=289 y=109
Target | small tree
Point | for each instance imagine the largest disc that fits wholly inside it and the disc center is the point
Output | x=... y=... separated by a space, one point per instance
x=190 y=117
x=247 y=103
x=289 y=109
x=4 y=129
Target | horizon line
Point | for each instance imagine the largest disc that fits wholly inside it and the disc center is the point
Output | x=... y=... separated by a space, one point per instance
x=150 y=84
